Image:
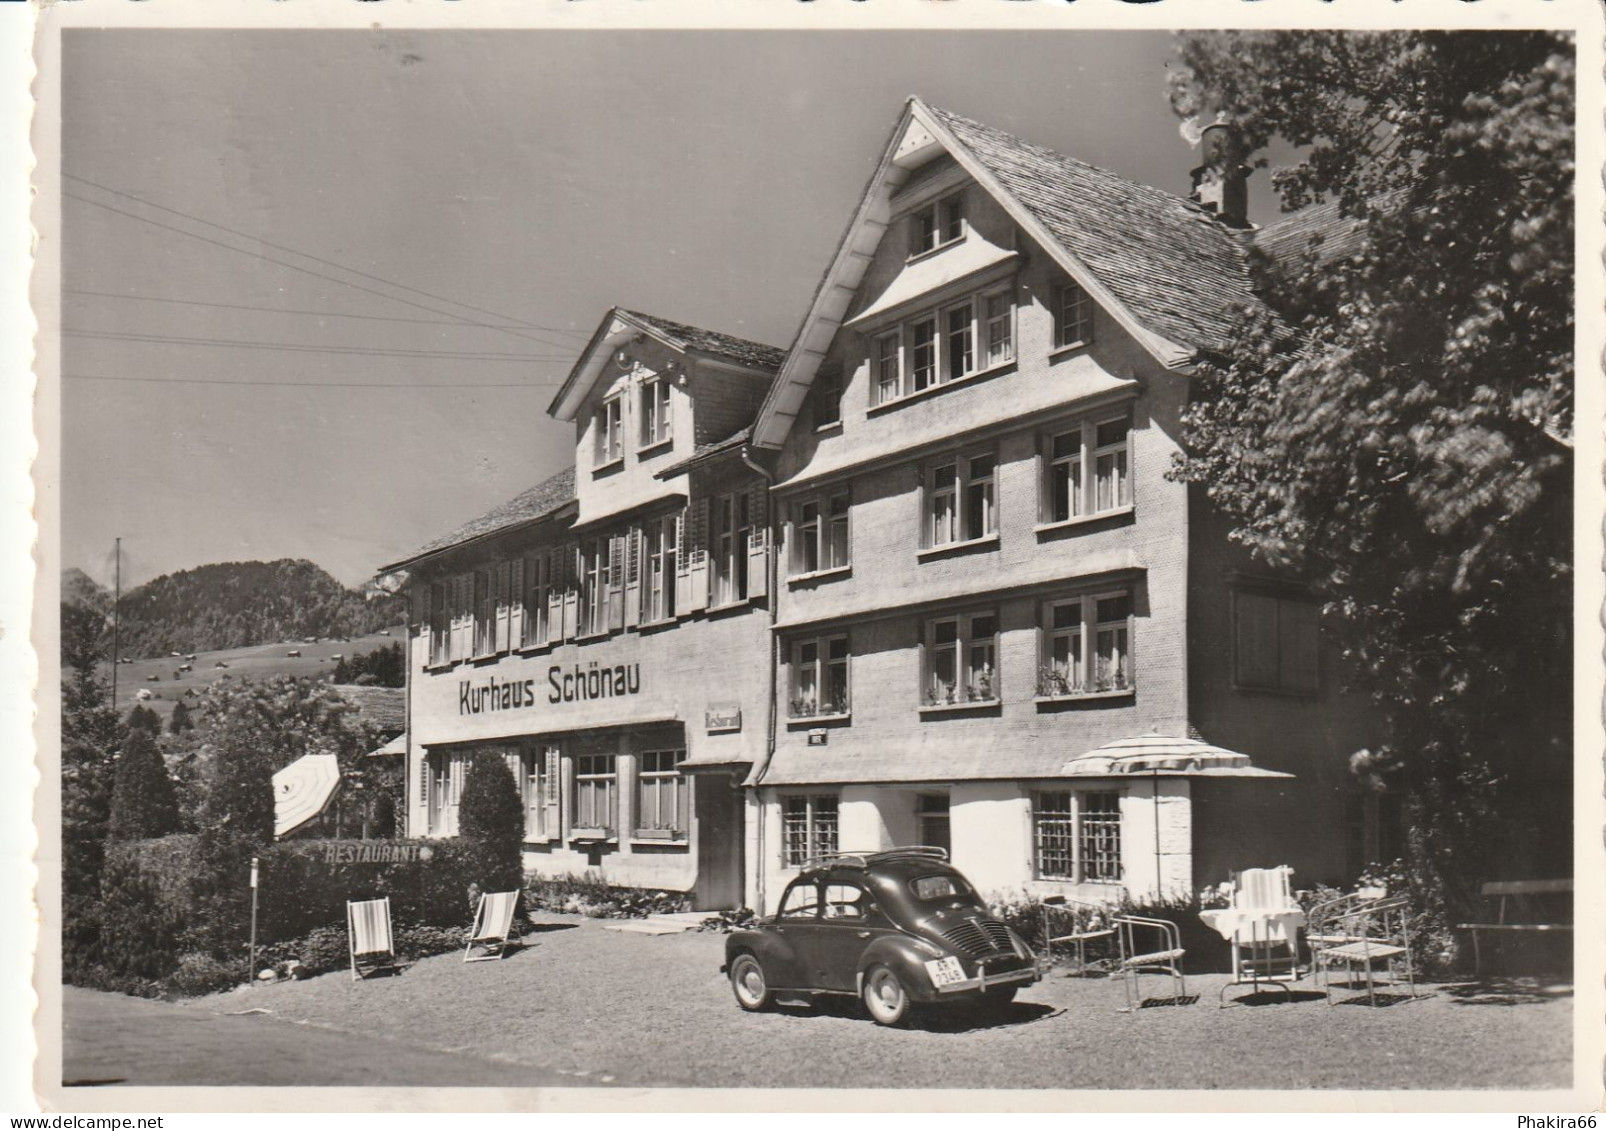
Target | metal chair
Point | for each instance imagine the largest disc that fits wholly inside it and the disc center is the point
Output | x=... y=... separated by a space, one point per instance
x=1076 y=922
x=1149 y=946
x=1379 y=934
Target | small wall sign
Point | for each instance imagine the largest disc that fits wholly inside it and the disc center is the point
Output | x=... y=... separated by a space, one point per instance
x=723 y=718
x=818 y=737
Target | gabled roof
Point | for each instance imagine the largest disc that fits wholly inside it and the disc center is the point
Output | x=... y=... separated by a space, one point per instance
x=384 y=707
x=1319 y=230
x=620 y=325
x=1162 y=266
x=543 y=500
x=1169 y=261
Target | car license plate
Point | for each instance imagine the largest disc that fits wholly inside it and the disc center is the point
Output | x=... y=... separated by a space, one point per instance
x=945 y=972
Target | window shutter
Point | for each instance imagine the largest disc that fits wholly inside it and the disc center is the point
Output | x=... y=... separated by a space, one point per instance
x=423 y=779
x=616 y=582
x=571 y=592
x=682 y=564
x=504 y=607
x=1297 y=645
x=517 y=597
x=462 y=615
x=758 y=541
x=552 y=791
x=554 y=596
x=1255 y=643
x=633 y=539
x=683 y=803
x=424 y=615
x=699 y=555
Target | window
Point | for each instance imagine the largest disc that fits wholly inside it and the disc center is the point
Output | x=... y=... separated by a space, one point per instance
x=537 y=599
x=846 y=901
x=731 y=532
x=888 y=377
x=820 y=533
x=596 y=794
x=939 y=346
x=937 y=224
x=594 y=582
x=610 y=446
x=1087 y=646
x=1077 y=835
x=658 y=587
x=440 y=622
x=828 y=396
x=801 y=901
x=446 y=772
x=540 y=784
x=999 y=328
x=961 y=500
x=656 y=415
x=663 y=795
x=808 y=829
x=1088 y=469
x=961 y=660
x=484 y=614
x=1073 y=316
x=1274 y=643
x=820 y=677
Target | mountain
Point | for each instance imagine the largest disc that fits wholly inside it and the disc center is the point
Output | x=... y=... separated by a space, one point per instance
x=78 y=588
x=238 y=604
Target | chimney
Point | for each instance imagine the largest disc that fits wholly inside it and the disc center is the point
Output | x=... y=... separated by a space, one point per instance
x=1221 y=183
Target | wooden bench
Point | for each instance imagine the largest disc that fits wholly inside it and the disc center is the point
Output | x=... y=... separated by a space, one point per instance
x=1523 y=905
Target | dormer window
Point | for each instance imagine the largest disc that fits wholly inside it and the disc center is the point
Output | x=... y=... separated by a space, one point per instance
x=656 y=418
x=937 y=224
x=610 y=438
x=1073 y=316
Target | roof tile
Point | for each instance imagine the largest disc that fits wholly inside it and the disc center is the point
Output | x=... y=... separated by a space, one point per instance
x=740 y=350
x=539 y=501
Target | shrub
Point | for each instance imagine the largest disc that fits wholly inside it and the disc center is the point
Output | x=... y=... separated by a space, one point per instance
x=141 y=944
x=200 y=973
x=143 y=802
x=579 y=895
x=492 y=813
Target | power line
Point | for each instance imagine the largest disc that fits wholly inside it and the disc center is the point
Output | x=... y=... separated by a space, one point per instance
x=308 y=270
x=280 y=310
x=296 y=347
x=310 y=384
x=314 y=258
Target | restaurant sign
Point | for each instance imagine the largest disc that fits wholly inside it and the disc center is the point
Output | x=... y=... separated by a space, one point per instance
x=362 y=851
x=723 y=718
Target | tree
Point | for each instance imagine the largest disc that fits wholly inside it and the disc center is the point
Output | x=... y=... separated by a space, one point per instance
x=89 y=736
x=145 y=719
x=492 y=813
x=1400 y=429
x=181 y=721
x=143 y=803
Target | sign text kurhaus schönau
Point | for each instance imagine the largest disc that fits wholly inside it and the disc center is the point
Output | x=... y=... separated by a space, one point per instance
x=579 y=683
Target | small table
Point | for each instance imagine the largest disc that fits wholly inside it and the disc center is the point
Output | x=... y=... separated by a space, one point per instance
x=1256 y=934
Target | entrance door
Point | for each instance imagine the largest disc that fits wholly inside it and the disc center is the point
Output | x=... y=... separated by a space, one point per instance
x=720 y=824
x=932 y=810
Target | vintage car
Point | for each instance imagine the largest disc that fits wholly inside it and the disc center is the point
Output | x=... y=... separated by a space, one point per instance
x=897 y=929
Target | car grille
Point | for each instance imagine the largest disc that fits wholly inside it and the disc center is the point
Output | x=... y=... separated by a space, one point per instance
x=979 y=938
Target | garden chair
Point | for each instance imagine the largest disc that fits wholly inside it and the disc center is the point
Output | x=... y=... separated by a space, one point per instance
x=1149 y=946
x=373 y=948
x=1379 y=935
x=1262 y=926
x=1327 y=922
x=492 y=932
x=1075 y=922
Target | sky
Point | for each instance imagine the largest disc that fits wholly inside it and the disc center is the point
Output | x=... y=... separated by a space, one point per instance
x=319 y=287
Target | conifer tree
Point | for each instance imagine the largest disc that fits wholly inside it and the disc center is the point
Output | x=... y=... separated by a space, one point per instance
x=143 y=800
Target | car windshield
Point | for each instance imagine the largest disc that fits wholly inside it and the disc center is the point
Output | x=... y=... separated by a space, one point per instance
x=929 y=889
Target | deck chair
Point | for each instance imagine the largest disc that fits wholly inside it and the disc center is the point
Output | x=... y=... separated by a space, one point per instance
x=1149 y=946
x=492 y=932
x=373 y=949
x=1265 y=935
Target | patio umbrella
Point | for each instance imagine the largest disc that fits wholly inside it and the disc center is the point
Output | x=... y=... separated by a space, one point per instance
x=1161 y=754
x=302 y=791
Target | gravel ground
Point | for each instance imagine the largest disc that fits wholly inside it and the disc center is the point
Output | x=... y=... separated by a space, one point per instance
x=625 y=1009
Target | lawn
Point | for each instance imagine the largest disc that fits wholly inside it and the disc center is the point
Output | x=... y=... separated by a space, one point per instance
x=654 y=1010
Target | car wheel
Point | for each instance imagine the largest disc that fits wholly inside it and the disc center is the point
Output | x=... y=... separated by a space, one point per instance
x=747 y=980
x=885 y=997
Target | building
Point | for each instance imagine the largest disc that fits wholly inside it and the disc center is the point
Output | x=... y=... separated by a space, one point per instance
x=991 y=621
x=607 y=632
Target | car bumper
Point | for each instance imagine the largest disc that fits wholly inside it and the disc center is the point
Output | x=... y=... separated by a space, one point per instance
x=985 y=980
